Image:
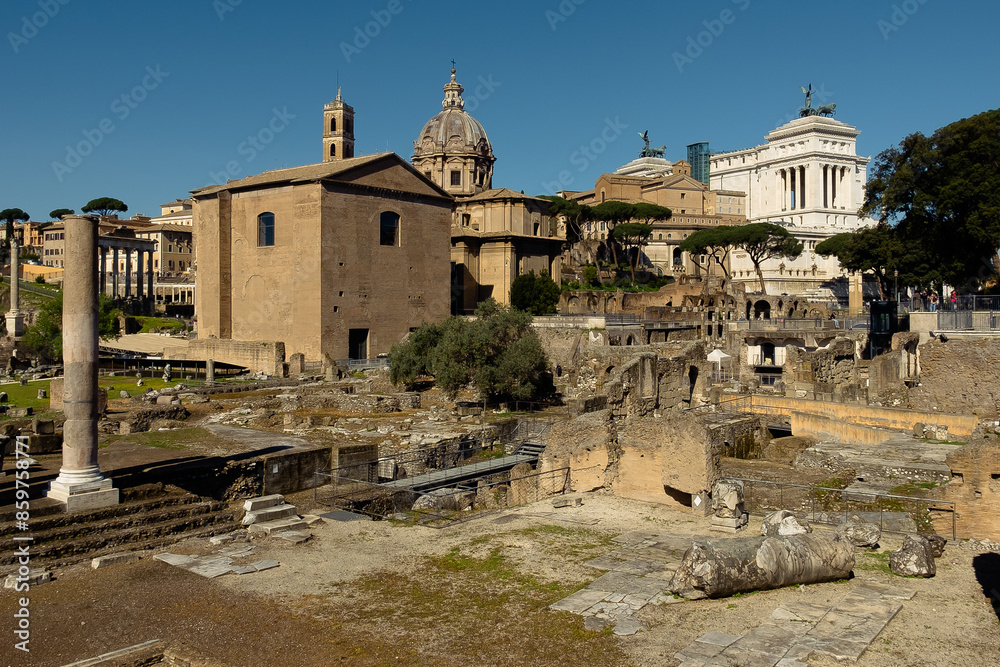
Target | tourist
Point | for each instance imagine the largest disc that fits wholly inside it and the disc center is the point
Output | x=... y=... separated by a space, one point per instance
x=934 y=302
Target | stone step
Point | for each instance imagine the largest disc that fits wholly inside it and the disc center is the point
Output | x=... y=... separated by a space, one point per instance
x=96 y=540
x=269 y=514
x=278 y=525
x=263 y=502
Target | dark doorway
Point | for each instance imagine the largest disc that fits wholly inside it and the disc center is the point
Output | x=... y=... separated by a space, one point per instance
x=357 y=344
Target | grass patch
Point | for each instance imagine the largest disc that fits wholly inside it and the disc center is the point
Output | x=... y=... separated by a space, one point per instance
x=26 y=396
x=177 y=439
x=876 y=561
x=160 y=325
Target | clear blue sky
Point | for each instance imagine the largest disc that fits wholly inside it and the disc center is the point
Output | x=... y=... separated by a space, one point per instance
x=199 y=77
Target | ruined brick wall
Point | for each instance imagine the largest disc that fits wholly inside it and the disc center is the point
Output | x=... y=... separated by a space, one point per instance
x=975 y=486
x=959 y=376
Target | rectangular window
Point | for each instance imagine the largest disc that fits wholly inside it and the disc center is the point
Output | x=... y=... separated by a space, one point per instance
x=388 y=228
x=456 y=178
x=265 y=229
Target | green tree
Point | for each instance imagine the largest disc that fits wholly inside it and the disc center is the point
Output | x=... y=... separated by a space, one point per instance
x=60 y=212
x=591 y=276
x=883 y=252
x=10 y=216
x=716 y=242
x=763 y=241
x=44 y=337
x=497 y=352
x=412 y=359
x=535 y=294
x=613 y=213
x=633 y=236
x=104 y=206
x=574 y=213
x=944 y=191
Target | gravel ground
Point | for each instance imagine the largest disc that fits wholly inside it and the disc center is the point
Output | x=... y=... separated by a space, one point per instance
x=374 y=593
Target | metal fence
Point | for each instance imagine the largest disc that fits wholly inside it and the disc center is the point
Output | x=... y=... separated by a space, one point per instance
x=973 y=302
x=892 y=513
x=791 y=324
x=364 y=364
x=440 y=507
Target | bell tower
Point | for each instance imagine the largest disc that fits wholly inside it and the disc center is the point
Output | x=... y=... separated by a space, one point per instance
x=338 y=130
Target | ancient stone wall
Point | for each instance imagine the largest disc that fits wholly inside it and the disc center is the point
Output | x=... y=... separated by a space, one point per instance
x=960 y=375
x=258 y=356
x=975 y=486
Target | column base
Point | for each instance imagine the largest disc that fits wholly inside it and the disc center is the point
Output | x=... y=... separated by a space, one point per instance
x=15 y=325
x=83 y=496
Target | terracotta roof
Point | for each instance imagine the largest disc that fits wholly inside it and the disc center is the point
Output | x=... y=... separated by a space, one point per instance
x=311 y=173
x=500 y=193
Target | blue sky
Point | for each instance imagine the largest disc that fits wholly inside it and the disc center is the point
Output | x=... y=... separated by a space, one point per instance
x=145 y=101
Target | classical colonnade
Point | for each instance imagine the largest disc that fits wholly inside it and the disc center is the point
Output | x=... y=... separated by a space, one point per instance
x=798 y=188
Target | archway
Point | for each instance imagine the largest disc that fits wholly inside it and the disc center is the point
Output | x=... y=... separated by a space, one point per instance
x=762 y=310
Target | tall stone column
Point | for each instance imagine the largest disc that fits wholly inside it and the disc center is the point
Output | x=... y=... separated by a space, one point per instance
x=15 y=320
x=210 y=371
x=128 y=273
x=80 y=484
x=140 y=278
x=149 y=279
x=104 y=270
x=114 y=272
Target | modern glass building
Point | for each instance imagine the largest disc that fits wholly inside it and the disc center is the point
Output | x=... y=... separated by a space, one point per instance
x=700 y=159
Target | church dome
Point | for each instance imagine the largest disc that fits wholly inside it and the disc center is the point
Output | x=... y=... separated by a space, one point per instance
x=453 y=128
x=453 y=149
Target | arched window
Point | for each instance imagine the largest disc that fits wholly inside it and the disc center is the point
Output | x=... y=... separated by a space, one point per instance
x=265 y=229
x=333 y=124
x=333 y=150
x=388 y=223
x=678 y=257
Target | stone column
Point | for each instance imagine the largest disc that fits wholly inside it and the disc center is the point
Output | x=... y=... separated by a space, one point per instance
x=128 y=273
x=104 y=270
x=80 y=485
x=15 y=321
x=139 y=277
x=149 y=278
x=855 y=294
x=114 y=272
x=210 y=371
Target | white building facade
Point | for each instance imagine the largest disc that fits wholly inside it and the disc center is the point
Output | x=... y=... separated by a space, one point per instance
x=808 y=178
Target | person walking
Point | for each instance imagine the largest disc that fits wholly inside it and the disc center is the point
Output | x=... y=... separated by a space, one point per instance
x=954 y=299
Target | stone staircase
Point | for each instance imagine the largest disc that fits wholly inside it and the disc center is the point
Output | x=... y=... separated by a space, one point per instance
x=148 y=517
x=271 y=515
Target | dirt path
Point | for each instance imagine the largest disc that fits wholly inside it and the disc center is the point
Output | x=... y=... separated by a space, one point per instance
x=373 y=593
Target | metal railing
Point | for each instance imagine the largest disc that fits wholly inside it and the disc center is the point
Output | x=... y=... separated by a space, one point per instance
x=442 y=508
x=791 y=324
x=973 y=302
x=817 y=504
x=364 y=364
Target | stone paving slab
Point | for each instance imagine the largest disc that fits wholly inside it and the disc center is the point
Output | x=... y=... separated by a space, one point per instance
x=796 y=630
